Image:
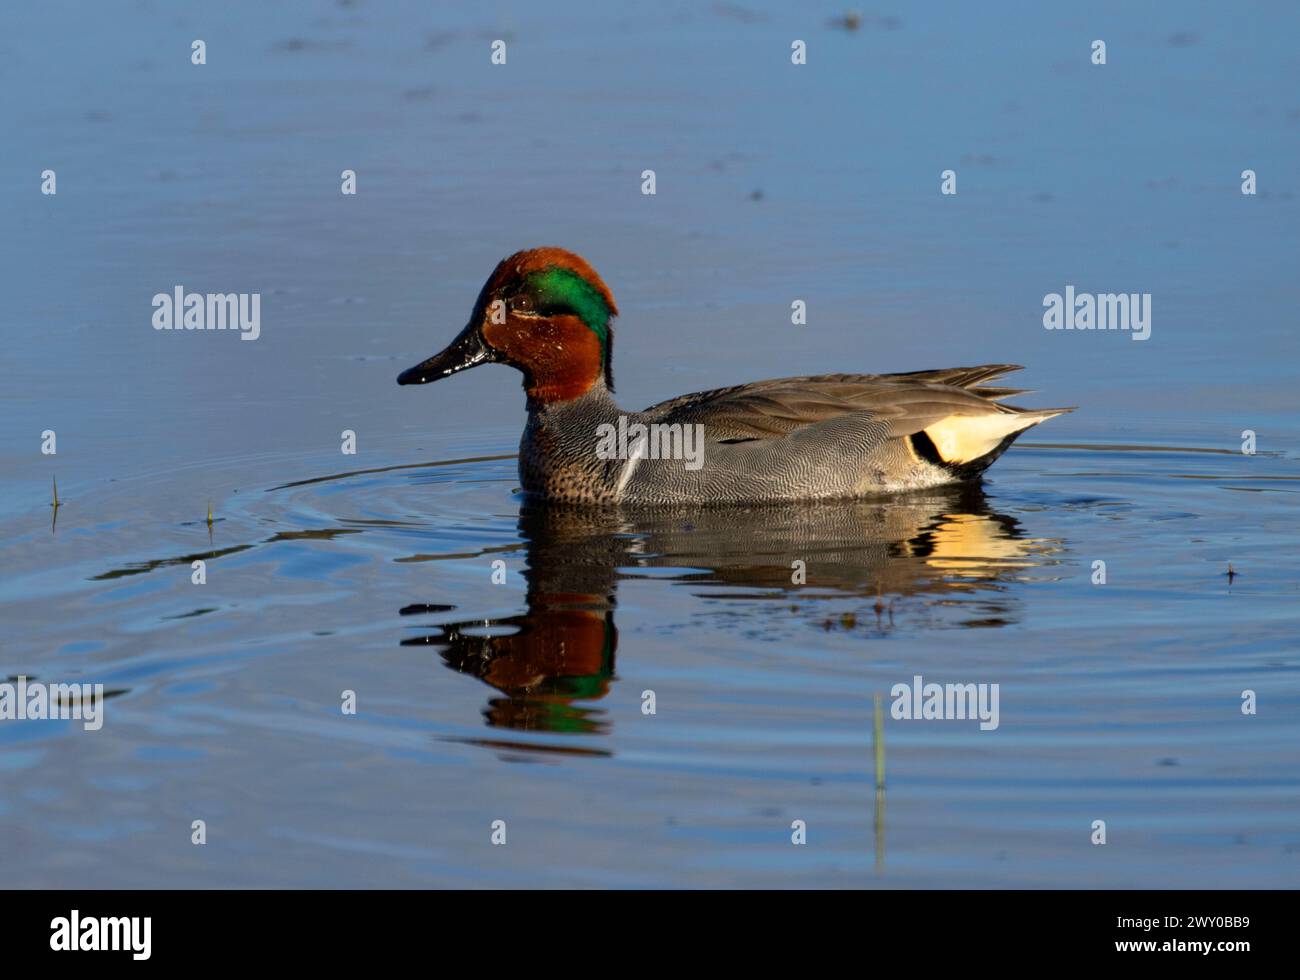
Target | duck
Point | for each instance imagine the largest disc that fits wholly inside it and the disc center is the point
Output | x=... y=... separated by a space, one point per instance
x=547 y=313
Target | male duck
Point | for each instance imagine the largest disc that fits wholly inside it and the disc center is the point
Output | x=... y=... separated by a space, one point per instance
x=546 y=312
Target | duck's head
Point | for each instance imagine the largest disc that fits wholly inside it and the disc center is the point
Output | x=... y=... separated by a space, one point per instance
x=543 y=311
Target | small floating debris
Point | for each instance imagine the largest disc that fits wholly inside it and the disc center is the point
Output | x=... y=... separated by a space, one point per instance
x=309 y=44
x=424 y=608
x=851 y=21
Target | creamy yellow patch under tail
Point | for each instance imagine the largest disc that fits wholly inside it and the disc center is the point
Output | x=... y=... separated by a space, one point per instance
x=966 y=438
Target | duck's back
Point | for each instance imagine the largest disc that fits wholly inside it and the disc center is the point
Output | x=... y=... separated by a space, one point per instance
x=802 y=438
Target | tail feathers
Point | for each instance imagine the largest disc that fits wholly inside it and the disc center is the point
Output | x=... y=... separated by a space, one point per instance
x=1036 y=415
x=959 y=377
x=994 y=393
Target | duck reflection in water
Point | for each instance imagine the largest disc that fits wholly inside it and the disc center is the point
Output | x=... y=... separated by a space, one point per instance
x=553 y=660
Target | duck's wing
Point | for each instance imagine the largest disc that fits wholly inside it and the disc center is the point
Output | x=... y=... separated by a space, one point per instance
x=908 y=403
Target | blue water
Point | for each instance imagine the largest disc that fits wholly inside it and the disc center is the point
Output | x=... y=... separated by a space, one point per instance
x=522 y=701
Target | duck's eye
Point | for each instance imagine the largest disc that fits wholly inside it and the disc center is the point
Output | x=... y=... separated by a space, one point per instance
x=523 y=303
